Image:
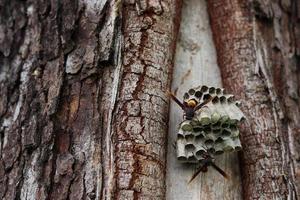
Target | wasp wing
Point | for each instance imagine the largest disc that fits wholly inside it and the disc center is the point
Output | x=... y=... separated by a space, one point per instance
x=219 y=170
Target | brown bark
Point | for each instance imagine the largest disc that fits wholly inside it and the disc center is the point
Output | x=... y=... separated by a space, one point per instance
x=258 y=53
x=139 y=120
x=83 y=113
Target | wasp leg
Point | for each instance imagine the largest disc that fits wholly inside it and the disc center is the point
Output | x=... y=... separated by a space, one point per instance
x=204 y=103
x=176 y=100
x=201 y=108
x=202 y=168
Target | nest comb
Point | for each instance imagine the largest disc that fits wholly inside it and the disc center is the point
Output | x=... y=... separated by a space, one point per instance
x=213 y=129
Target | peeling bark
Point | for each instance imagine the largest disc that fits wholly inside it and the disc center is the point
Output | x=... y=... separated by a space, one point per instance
x=258 y=56
x=83 y=113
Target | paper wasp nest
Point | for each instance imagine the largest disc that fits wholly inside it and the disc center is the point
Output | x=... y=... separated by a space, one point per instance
x=213 y=130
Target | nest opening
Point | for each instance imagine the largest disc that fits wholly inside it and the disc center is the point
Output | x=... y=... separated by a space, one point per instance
x=212 y=90
x=181 y=158
x=209 y=142
x=230 y=99
x=215 y=100
x=219 y=151
x=206 y=97
x=199 y=138
x=192 y=91
x=198 y=94
x=233 y=127
x=216 y=131
x=186 y=95
x=192 y=159
x=180 y=137
x=204 y=88
x=238 y=148
x=197 y=129
x=189 y=138
x=217 y=124
x=238 y=103
x=219 y=140
x=226 y=132
x=190 y=147
x=224 y=125
x=223 y=99
x=207 y=129
x=211 y=150
x=200 y=152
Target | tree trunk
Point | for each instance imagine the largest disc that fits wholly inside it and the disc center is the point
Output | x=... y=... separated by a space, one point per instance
x=83 y=108
x=258 y=54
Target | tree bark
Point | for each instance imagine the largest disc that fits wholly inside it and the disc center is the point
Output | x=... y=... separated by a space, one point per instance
x=83 y=109
x=258 y=51
x=139 y=119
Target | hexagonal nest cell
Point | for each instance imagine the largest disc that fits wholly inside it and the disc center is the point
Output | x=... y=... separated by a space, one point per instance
x=213 y=130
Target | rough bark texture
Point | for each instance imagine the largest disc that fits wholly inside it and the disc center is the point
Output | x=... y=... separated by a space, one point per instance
x=258 y=53
x=196 y=64
x=83 y=113
x=139 y=123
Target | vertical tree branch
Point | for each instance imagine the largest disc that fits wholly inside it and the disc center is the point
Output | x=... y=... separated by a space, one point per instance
x=245 y=72
x=136 y=166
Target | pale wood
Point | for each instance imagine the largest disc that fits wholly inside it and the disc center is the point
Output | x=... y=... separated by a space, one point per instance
x=196 y=64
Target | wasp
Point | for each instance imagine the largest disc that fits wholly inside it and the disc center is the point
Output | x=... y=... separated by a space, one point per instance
x=206 y=162
x=189 y=108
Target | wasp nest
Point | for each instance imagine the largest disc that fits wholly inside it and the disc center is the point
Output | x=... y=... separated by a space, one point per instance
x=213 y=130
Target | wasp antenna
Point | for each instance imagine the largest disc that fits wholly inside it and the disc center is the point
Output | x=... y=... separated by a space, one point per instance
x=175 y=99
x=219 y=170
x=197 y=173
x=204 y=103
